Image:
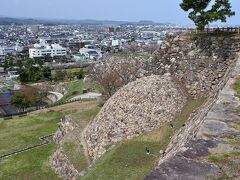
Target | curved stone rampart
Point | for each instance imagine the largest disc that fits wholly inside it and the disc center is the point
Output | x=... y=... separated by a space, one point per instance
x=141 y=106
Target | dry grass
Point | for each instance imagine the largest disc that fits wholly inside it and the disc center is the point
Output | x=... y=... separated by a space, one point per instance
x=68 y=107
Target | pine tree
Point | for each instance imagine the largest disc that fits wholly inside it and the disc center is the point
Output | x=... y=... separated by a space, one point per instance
x=202 y=15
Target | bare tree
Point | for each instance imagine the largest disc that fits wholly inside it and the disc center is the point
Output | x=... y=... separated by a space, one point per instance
x=132 y=47
x=116 y=72
x=150 y=48
x=110 y=82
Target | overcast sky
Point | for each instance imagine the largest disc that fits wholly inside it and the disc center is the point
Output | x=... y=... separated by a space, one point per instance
x=129 y=10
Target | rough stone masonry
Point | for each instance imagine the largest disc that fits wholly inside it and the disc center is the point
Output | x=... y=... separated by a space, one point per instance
x=141 y=106
x=59 y=161
x=182 y=65
x=199 y=63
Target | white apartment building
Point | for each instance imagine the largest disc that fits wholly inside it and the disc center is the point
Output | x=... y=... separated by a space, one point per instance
x=43 y=49
x=91 y=54
x=2 y=54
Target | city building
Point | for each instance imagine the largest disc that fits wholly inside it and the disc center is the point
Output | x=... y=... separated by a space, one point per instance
x=12 y=75
x=2 y=41
x=35 y=28
x=2 y=71
x=43 y=49
x=9 y=50
x=2 y=54
x=91 y=54
x=116 y=43
x=79 y=57
x=112 y=29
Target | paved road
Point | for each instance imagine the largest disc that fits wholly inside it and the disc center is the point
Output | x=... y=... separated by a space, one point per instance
x=90 y=95
x=57 y=95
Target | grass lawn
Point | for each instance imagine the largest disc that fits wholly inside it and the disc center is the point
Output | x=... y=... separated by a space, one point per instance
x=74 y=88
x=22 y=132
x=128 y=160
x=29 y=165
x=70 y=70
x=236 y=87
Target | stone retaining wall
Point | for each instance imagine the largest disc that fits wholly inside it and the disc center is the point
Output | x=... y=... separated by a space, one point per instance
x=196 y=119
x=59 y=161
x=141 y=106
x=199 y=62
x=197 y=65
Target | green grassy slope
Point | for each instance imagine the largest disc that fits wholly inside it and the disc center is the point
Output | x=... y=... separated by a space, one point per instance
x=128 y=160
x=23 y=132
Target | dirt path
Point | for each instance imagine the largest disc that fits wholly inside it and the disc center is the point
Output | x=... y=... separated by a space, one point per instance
x=69 y=106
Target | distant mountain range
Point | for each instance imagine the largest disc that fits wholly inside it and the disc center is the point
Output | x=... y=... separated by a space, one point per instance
x=33 y=21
